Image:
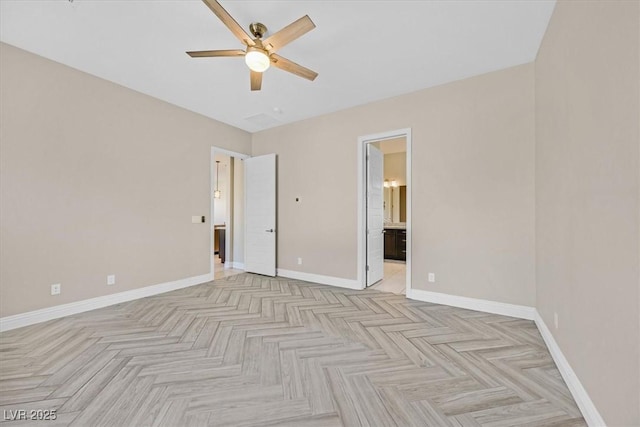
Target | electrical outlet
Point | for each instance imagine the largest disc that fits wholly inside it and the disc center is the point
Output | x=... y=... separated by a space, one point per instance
x=432 y=278
x=56 y=289
x=111 y=279
x=299 y=261
x=555 y=319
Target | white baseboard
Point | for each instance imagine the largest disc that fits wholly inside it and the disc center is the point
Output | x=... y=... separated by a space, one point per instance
x=316 y=278
x=234 y=264
x=580 y=395
x=29 y=318
x=495 y=307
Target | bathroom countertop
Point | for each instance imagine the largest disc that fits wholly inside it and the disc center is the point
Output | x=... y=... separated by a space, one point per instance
x=396 y=225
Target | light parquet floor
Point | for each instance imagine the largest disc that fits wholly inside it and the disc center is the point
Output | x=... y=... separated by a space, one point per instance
x=249 y=350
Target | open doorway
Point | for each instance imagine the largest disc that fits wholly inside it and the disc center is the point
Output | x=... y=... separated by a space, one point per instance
x=227 y=213
x=385 y=203
x=394 y=153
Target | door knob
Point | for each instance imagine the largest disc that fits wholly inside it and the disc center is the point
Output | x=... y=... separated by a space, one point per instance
x=269 y=230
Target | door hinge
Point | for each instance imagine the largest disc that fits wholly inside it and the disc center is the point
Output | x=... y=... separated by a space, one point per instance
x=367 y=268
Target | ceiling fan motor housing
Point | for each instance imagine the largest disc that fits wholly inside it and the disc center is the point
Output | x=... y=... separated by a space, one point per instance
x=257 y=29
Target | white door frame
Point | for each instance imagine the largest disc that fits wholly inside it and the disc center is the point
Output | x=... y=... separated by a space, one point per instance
x=362 y=195
x=212 y=175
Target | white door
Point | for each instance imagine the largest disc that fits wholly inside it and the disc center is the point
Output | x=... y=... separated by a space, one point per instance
x=260 y=215
x=375 y=215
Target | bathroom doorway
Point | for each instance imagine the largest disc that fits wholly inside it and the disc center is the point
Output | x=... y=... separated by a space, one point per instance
x=395 y=216
x=385 y=206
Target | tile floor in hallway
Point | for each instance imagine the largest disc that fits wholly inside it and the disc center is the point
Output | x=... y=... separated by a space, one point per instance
x=394 y=280
x=219 y=270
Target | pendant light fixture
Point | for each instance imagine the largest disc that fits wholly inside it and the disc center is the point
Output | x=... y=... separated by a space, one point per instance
x=216 y=193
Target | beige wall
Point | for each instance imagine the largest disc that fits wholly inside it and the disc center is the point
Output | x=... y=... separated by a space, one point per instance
x=96 y=179
x=473 y=185
x=587 y=191
x=395 y=167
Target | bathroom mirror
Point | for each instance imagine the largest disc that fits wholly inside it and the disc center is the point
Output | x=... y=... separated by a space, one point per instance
x=395 y=204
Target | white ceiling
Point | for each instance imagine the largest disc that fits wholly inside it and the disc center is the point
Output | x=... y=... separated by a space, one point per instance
x=363 y=50
x=393 y=145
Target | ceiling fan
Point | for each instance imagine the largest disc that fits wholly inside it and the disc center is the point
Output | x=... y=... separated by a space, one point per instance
x=260 y=53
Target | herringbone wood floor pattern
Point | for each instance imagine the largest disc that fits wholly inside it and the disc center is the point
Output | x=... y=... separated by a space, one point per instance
x=249 y=350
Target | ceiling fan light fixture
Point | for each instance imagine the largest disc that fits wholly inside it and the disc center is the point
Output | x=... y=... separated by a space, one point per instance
x=260 y=53
x=257 y=59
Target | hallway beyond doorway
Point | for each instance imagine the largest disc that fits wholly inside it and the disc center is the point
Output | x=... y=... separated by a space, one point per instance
x=219 y=270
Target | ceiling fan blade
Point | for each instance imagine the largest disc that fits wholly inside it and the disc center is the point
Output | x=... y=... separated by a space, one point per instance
x=288 y=34
x=256 y=80
x=214 y=53
x=231 y=23
x=292 y=67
